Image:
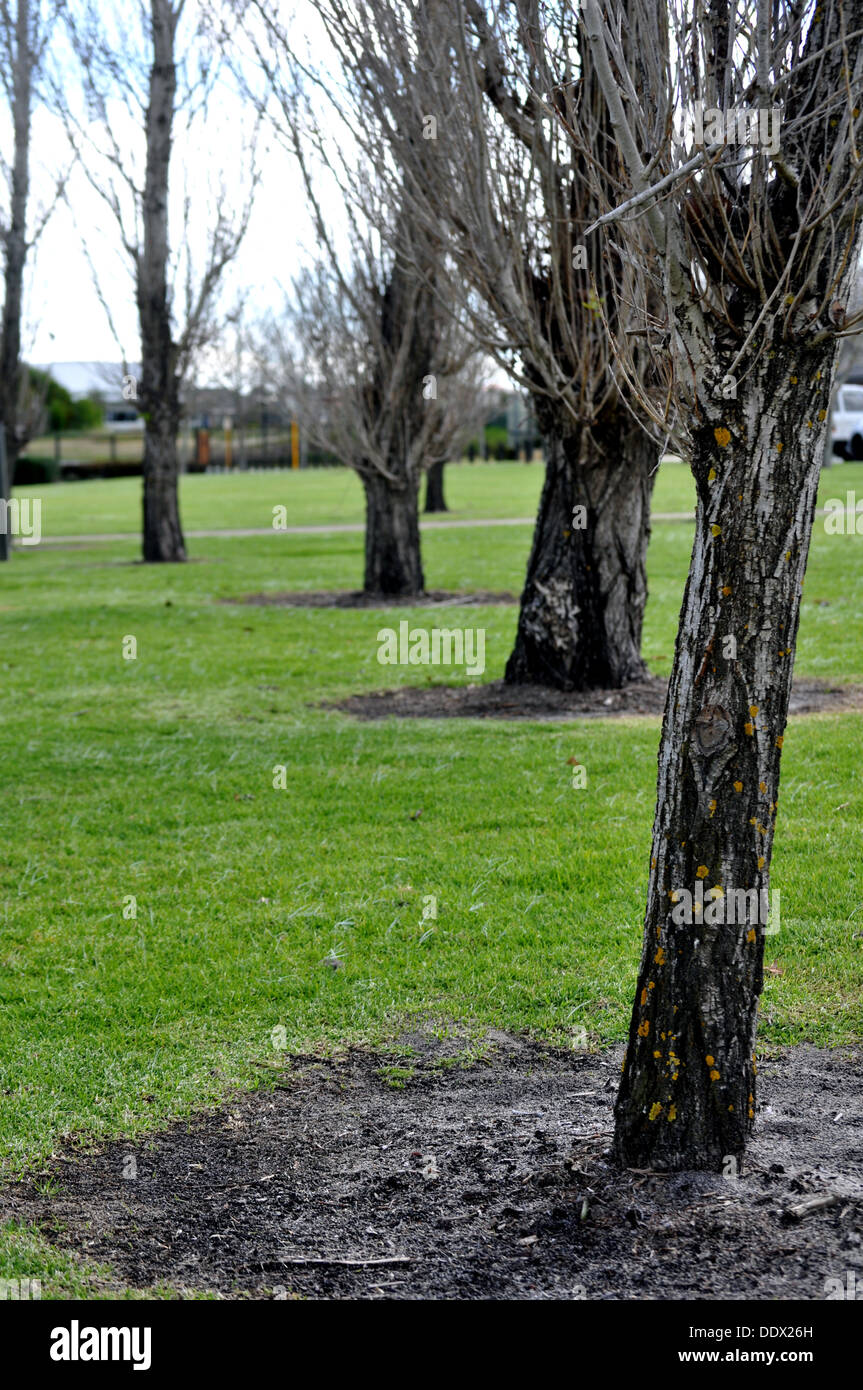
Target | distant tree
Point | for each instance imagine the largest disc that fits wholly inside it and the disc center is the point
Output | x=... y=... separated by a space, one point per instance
x=54 y=408
x=435 y=499
x=378 y=378
x=471 y=408
x=381 y=373
x=148 y=59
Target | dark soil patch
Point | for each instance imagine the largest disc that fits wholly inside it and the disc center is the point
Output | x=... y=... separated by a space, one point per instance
x=495 y=700
x=349 y=598
x=487 y=1181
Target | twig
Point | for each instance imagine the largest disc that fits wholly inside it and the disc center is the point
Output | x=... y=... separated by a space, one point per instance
x=327 y=1260
x=654 y=191
x=811 y=1204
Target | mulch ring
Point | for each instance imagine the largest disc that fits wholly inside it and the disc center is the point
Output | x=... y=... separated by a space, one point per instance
x=423 y=1172
x=349 y=598
x=495 y=700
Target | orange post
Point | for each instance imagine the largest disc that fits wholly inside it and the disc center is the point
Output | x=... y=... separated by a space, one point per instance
x=203 y=448
x=295 y=444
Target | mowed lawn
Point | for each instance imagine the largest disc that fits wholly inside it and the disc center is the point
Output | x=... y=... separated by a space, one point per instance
x=152 y=780
x=334 y=497
x=314 y=497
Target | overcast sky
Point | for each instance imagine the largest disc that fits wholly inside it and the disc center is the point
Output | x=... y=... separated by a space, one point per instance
x=64 y=320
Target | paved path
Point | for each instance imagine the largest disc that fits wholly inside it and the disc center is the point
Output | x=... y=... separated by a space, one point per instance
x=341 y=528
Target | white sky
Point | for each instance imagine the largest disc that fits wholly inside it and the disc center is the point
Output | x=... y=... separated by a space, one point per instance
x=64 y=320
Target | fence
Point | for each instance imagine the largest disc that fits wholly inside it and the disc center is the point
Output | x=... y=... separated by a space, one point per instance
x=116 y=454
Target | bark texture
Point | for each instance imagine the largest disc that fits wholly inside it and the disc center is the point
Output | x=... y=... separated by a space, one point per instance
x=435 y=500
x=162 y=532
x=582 y=607
x=393 y=563
x=687 y=1095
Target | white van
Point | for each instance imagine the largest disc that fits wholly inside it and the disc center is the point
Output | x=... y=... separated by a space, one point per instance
x=846 y=425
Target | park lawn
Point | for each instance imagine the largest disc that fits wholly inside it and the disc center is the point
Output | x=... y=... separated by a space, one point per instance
x=333 y=496
x=153 y=779
x=311 y=496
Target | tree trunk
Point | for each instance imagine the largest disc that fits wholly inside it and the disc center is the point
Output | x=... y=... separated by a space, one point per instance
x=163 y=535
x=582 y=607
x=687 y=1095
x=5 y=493
x=393 y=559
x=15 y=249
x=435 y=500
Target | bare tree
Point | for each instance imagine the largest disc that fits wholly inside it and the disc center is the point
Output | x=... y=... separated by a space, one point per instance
x=380 y=379
x=25 y=28
x=468 y=411
x=156 y=71
x=380 y=365
x=476 y=105
x=435 y=496
x=754 y=212
x=851 y=350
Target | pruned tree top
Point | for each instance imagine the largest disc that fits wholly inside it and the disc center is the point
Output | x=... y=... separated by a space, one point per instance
x=740 y=131
x=475 y=105
x=378 y=367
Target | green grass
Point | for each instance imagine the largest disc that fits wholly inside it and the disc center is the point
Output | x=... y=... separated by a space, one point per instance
x=313 y=496
x=333 y=496
x=153 y=779
x=26 y=1256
